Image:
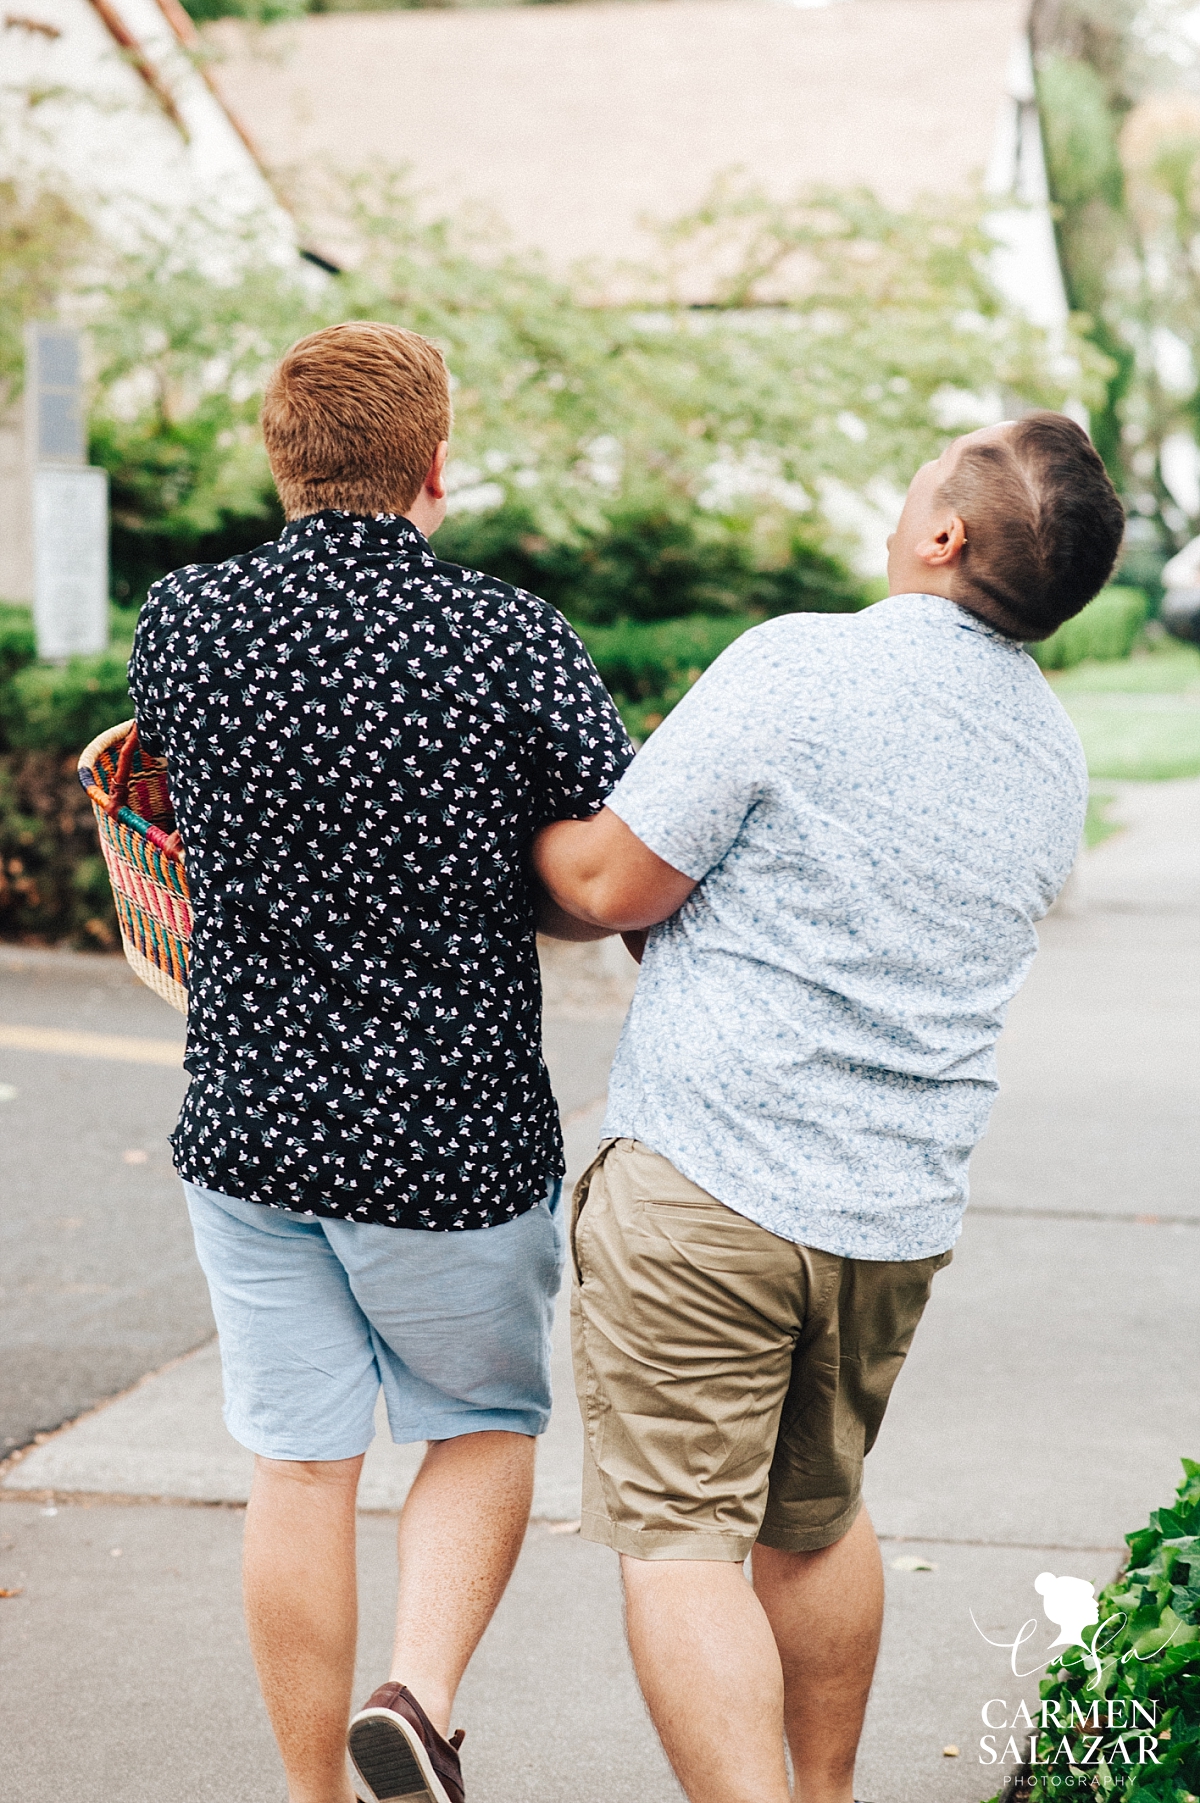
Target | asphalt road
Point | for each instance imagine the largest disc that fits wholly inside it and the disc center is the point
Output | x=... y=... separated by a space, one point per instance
x=98 y=1280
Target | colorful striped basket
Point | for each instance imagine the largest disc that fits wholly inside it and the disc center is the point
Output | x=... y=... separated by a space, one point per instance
x=128 y=791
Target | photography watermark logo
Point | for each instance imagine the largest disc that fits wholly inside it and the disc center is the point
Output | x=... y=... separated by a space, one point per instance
x=1070 y=1603
x=1075 y=1735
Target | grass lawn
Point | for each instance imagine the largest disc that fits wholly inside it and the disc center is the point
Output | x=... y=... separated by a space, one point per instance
x=1097 y=826
x=1139 y=718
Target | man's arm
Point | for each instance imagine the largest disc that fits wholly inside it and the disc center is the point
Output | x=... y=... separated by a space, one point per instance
x=555 y=923
x=579 y=743
x=688 y=792
x=599 y=872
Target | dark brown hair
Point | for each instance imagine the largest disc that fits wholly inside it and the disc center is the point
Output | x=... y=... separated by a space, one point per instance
x=1044 y=525
x=352 y=417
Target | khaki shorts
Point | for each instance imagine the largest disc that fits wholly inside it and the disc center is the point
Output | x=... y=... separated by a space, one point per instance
x=730 y=1381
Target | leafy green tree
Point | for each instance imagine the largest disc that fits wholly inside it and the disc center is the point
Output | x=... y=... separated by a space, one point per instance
x=1088 y=184
x=651 y=458
x=43 y=241
x=1123 y=155
x=665 y=474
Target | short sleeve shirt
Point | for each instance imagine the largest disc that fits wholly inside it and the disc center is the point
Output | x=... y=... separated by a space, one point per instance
x=361 y=741
x=877 y=807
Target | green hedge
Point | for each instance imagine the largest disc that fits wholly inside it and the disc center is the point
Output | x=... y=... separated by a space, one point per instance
x=18 y=646
x=53 y=707
x=649 y=666
x=639 y=660
x=53 y=884
x=649 y=560
x=1147 y=1646
x=50 y=709
x=1106 y=629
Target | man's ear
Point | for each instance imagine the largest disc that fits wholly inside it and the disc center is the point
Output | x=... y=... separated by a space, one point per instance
x=944 y=546
x=435 y=481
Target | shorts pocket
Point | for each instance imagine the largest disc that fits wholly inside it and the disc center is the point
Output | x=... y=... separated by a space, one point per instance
x=579 y=1198
x=654 y=1182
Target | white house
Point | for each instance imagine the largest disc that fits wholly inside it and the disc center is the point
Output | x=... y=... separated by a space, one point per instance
x=577 y=125
x=109 y=102
x=113 y=100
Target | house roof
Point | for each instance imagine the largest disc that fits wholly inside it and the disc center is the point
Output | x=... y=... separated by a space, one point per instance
x=576 y=124
x=128 y=120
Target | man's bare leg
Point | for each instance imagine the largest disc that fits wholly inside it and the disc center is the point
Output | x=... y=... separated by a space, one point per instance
x=826 y=1612
x=710 y=1672
x=460 y=1534
x=302 y=1614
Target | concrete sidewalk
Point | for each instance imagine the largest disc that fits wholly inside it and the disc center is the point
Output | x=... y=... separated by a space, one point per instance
x=1041 y=1415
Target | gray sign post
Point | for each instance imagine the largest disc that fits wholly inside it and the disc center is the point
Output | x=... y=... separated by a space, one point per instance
x=70 y=501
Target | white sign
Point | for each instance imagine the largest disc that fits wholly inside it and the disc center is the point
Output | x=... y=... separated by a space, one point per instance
x=70 y=560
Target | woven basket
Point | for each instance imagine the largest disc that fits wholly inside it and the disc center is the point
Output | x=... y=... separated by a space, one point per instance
x=128 y=792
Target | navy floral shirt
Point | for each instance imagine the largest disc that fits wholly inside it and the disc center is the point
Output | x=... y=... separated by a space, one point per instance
x=361 y=741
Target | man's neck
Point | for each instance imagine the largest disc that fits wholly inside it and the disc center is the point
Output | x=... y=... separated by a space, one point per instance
x=921 y=581
x=980 y=607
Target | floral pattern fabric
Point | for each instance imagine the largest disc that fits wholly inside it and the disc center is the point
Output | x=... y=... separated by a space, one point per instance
x=361 y=740
x=877 y=807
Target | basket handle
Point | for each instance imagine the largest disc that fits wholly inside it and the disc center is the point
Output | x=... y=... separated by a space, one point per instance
x=169 y=843
x=118 y=795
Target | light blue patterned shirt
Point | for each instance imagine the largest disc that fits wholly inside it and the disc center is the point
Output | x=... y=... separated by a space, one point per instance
x=878 y=807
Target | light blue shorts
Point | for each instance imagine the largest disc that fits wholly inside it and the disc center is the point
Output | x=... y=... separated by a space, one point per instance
x=315 y=1315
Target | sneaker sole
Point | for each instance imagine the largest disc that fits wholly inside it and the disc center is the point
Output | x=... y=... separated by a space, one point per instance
x=390 y=1758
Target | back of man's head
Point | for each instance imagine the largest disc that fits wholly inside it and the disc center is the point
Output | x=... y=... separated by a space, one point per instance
x=1043 y=525
x=352 y=417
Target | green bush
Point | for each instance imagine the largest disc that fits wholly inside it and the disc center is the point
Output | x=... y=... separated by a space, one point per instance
x=1147 y=1645
x=1106 y=629
x=47 y=708
x=640 y=660
x=53 y=884
x=196 y=490
x=18 y=646
x=655 y=558
x=59 y=707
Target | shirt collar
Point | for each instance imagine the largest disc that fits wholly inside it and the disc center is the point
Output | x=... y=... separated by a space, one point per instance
x=938 y=607
x=345 y=534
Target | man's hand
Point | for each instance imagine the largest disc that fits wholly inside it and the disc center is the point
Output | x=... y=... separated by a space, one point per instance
x=601 y=873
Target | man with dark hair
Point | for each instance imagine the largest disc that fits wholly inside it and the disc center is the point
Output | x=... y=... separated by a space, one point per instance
x=841 y=839
x=361 y=741
x=1039 y=520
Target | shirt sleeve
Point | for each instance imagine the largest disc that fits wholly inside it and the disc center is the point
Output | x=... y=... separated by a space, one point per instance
x=695 y=780
x=579 y=739
x=145 y=679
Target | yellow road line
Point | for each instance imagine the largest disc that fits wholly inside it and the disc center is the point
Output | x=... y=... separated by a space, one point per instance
x=119 y=1048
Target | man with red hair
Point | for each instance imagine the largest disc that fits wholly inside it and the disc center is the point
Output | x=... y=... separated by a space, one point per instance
x=362 y=741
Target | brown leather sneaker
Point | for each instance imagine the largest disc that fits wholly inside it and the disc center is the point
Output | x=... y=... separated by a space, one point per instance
x=399 y=1755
